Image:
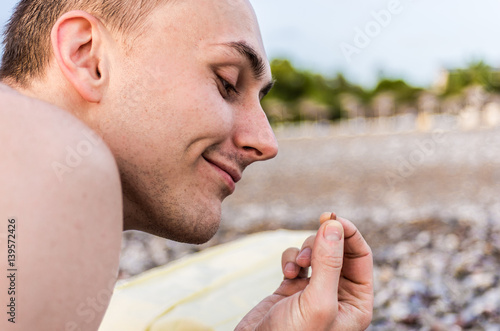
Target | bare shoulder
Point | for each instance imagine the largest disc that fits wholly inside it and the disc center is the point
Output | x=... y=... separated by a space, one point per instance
x=60 y=184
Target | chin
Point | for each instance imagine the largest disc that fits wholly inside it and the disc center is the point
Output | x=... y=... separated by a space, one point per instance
x=204 y=228
x=198 y=233
x=192 y=219
x=191 y=226
x=203 y=237
x=202 y=223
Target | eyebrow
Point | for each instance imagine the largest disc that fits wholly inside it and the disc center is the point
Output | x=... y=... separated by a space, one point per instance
x=257 y=64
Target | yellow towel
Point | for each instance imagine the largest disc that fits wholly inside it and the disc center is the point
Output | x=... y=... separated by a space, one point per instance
x=210 y=290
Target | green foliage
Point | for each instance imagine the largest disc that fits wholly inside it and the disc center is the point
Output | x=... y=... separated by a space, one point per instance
x=302 y=95
x=403 y=92
x=477 y=73
x=297 y=89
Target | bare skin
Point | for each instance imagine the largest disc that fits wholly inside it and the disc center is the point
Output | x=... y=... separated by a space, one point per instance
x=337 y=296
x=68 y=232
x=180 y=116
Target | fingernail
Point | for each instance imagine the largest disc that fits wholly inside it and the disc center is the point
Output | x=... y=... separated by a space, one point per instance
x=334 y=231
x=290 y=267
x=305 y=254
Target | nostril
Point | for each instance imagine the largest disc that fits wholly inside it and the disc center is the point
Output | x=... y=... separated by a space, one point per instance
x=249 y=149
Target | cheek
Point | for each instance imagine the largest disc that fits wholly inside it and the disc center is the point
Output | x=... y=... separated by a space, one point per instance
x=213 y=113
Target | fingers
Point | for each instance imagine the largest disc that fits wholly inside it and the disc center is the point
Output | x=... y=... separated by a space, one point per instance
x=288 y=263
x=304 y=257
x=351 y=255
x=305 y=254
x=358 y=259
x=295 y=263
x=326 y=217
x=327 y=261
x=342 y=269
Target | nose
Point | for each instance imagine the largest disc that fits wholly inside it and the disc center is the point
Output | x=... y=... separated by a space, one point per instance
x=254 y=136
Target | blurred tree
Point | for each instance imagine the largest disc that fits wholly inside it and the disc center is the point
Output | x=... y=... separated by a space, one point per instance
x=302 y=95
x=297 y=89
x=403 y=92
x=477 y=73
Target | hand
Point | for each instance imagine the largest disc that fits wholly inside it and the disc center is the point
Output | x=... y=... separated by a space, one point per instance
x=337 y=296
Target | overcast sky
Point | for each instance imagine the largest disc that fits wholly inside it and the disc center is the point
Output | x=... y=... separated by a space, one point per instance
x=422 y=37
x=411 y=39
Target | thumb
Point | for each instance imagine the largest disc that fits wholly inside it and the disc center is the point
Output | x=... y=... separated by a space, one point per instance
x=326 y=263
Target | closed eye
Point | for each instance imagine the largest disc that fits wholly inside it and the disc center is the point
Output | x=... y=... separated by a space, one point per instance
x=227 y=89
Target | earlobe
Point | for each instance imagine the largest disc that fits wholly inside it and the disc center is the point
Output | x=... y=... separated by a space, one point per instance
x=77 y=43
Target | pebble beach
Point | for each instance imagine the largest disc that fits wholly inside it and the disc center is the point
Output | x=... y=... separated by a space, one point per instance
x=428 y=204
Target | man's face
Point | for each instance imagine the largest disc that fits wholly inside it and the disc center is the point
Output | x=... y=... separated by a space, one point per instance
x=183 y=115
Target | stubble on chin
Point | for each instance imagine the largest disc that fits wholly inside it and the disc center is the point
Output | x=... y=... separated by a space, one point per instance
x=186 y=216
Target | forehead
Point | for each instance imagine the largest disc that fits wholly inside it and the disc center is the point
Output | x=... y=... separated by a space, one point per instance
x=201 y=23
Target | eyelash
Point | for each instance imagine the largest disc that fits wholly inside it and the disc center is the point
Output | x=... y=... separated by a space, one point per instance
x=228 y=87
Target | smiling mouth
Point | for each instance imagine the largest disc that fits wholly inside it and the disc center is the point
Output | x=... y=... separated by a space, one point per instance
x=231 y=175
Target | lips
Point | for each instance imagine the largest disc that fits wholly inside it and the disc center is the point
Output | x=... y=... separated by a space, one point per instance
x=233 y=173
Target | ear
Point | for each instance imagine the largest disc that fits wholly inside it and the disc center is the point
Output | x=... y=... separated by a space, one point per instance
x=77 y=41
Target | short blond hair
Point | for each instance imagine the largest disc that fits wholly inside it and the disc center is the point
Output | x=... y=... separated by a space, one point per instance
x=27 y=46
